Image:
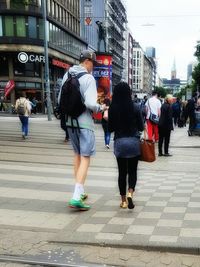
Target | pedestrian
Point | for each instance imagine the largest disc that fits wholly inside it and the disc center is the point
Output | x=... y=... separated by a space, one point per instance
x=143 y=108
x=23 y=108
x=34 y=105
x=82 y=137
x=125 y=120
x=165 y=126
x=153 y=105
x=136 y=99
x=176 y=108
x=198 y=104
x=104 y=123
x=2 y=107
x=190 y=112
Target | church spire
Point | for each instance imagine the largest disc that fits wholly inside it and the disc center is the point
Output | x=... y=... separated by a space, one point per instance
x=173 y=70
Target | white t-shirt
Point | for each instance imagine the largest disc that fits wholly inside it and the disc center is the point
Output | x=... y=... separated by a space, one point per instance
x=154 y=105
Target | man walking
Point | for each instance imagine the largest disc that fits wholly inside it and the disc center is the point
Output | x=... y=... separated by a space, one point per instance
x=81 y=134
x=153 y=106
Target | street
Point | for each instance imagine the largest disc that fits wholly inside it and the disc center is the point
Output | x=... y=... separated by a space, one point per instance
x=36 y=183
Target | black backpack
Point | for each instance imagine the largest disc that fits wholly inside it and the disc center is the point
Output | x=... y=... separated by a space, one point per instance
x=71 y=103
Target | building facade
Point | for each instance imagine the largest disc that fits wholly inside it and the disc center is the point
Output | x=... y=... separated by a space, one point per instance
x=22 y=45
x=111 y=16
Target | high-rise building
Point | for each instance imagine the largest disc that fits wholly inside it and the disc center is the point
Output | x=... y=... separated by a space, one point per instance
x=143 y=70
x=22 y=44
x=151 y=52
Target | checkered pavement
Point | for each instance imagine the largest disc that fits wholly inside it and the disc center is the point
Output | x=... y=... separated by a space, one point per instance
x=36 y=183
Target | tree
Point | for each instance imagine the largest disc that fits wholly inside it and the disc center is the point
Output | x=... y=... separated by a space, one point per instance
x=161 y=91
x=196 y=71
x=196 y=77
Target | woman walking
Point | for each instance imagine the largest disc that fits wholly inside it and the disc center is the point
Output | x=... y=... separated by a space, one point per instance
x=125 y=120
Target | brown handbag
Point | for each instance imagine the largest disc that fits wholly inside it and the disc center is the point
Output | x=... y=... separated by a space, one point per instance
x=147 y=148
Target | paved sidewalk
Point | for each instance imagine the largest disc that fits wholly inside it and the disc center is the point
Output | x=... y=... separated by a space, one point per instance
x=36 y=181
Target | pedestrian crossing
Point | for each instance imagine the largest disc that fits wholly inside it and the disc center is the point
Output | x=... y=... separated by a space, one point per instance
x=36 y=182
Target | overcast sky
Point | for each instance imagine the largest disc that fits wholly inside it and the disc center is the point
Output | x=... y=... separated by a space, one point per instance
x=175 y=30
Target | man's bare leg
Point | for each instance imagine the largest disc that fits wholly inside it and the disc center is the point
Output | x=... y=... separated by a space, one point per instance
x=77 y=161
x=82 y=170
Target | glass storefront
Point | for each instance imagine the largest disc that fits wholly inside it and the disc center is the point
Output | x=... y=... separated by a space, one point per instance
x=29 y=77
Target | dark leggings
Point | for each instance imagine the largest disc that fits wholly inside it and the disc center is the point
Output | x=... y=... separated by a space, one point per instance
x=127 y=166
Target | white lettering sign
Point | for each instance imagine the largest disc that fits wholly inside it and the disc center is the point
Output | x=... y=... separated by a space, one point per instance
x=24 y=57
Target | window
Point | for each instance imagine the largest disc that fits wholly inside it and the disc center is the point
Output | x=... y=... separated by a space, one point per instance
x=30 y=69
x=1 y=30
x=9 y=26
x=4 y=64
x=20 y=26
x=41 y=29
x=32 y=29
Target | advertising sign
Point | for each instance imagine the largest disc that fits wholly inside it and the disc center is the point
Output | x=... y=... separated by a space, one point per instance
x=103 y=76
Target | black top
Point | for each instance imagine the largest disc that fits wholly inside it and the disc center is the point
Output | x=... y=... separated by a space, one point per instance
x=123 y=127
x=165 y=121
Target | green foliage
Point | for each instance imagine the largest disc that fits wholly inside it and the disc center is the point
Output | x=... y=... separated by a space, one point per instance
x=196 y=71
x=182 y=92
x=196 y=74
x=161 y=91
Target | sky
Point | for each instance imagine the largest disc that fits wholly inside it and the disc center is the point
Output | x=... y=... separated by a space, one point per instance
x=174 y=33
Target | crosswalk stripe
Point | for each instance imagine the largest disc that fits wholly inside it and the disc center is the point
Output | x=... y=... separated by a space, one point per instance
x=59 y=170
x=35 y=219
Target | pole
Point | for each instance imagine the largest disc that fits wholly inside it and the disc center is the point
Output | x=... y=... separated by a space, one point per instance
x=47 y=82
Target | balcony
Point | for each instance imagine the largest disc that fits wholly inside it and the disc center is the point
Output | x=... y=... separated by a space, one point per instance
x=116 y=34
x=19 y=6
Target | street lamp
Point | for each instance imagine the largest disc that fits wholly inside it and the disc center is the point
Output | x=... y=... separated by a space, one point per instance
x=47 y=82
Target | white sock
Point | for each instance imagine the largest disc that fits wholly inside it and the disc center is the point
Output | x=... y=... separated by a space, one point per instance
x=78 y=190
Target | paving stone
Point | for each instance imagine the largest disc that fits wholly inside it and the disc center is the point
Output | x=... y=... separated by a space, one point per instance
x=187 y=261
x=40 y=183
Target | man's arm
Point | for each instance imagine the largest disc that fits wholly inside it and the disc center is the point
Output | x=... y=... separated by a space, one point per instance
x=90 y=95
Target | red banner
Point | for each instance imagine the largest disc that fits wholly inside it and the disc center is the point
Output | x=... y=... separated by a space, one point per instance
x=9 y=87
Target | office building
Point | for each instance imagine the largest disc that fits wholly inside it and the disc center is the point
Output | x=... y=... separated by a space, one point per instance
x=22 y=45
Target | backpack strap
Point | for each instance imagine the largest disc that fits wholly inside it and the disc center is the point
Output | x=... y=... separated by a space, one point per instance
x=77 y=76
x=81 y=74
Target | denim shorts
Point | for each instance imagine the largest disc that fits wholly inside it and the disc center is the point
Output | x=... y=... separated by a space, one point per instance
x=83 y=141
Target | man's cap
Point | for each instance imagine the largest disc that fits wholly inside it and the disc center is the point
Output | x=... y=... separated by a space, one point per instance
x=87 y=54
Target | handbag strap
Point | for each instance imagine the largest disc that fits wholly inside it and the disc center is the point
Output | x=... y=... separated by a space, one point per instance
x=145 y=133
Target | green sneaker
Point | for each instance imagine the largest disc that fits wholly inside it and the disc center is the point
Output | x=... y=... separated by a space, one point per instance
x=78 y=204
x=84 y=196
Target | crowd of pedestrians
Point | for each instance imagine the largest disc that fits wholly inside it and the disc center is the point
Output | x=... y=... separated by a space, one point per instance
x=124 y=117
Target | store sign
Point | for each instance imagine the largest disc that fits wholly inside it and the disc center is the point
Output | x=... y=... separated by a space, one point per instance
x=24 y=57
x=60 y=64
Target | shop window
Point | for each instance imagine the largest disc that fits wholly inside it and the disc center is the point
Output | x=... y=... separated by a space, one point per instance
x=32 y=29
x=30 y=69
x=1 y=30
x=4 y=66
x=9 y=26
x=20 y=26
